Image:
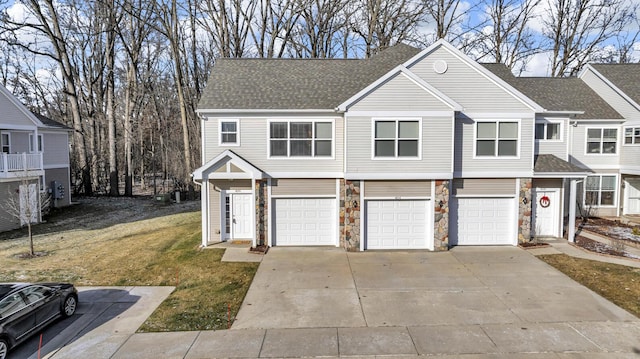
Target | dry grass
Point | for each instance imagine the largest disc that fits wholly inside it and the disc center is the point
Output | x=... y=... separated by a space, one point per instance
x=155 y=251
x=619 y=284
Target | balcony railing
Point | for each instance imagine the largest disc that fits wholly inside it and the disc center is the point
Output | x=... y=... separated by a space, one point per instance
x=19 y=164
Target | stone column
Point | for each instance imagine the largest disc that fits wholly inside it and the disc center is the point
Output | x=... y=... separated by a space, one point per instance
x=262 y=209
x=524 y=210
x=441 y=215
x=350 y=209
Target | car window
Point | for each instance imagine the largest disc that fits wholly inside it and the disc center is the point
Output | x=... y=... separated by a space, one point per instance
x=11 y=304
x=35 y=293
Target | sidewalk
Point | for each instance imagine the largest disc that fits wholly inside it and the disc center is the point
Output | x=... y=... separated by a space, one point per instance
x=562 y=246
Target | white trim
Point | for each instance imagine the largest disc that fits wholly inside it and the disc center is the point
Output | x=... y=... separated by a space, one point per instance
x=10 y=127
x=337 y=214
x=560 y=174
x=633 y=137
x=206 y=170
x=500 y=116
x=400 y=113
x=56 y=166
x=489 y=195
x=398 y=176
x=2 y=144
x=396 y=139
x=629 y=170
x=303 y=195
x=214 y=111
x=478 y=68
x=270 y=230
x=497 y=139
x=22 y=108
x=610 y=84
x=516 y=210
x=254 y=213
x=363 y=217
x=399 y=198
x=601 y=128
x=313 y=121
x=229 y=144
x=305 y=174
x=489 y=174
x=204 y=206
x=431 y=240
x=559 y=219
x=546 y=122
x=453 y=145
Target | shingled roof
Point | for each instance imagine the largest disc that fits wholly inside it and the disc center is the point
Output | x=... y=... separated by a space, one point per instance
x=559 y=94
x=301 y=84
x=626 y=77
x=50 y=123
x=547 y=163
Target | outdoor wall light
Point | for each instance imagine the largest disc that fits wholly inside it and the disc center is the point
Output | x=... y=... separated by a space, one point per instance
x=355 y=204
x=441 y=203
x=525 y=201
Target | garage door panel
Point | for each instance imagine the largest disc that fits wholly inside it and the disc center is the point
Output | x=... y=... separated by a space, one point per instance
x=304 y=221
x=483 y=221
x=397 y=224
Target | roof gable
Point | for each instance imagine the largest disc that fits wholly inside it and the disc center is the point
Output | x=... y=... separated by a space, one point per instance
x=14 y=113
x=238 y=168
x=623 y=78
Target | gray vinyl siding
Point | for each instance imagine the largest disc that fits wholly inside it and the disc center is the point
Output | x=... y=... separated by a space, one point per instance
x=303 y=187
x=214 y=214
x=254 y=145
x=19 y=141
x=55 y=148
x=10 y=114
x=60 y=175
x=611 y=96
x=465 y=85
x=630 y=156
x=547 y=183
x=557 y=148
x=483 y=186
x=464 y=161
x=392 y=189
x=436 y=148
x=399 y=93
x=579 y=146
x=7 y=220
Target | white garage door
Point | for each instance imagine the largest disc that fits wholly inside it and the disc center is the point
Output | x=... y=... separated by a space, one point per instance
x=483 y=221
x=397 y=224
x=304 y=221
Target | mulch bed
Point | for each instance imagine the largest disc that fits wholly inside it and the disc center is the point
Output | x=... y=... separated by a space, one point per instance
x=532 y=245
x=613 y=229
x=598 y=247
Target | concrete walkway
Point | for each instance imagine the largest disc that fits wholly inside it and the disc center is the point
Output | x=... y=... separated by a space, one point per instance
x=562 y=246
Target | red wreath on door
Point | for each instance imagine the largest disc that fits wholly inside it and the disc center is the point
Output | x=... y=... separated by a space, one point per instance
x=545 y=201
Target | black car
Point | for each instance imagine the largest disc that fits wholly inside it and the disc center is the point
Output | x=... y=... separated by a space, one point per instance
x=26 y=307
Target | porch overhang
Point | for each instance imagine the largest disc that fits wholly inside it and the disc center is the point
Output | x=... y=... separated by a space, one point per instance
x=227 y=165
x=550 y=166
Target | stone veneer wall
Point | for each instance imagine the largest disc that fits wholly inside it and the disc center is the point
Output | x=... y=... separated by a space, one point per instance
x=350 y=215
x=524 y=210
x=441 y=216
x=262 y=209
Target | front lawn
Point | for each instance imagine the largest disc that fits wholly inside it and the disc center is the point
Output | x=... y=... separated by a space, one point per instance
x=160 y=251
x=619 y=284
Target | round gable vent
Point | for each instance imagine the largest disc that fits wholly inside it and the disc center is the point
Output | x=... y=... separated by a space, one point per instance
x=440 y=66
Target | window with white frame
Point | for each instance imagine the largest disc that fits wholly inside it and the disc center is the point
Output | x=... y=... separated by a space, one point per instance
x=396 y=138
x=602 y=140
x=300 y=138
x=229 y=133
x=31 y=149
x=5 y=142
x=497 y=139
x=548 y=131
x=600 y=190
x=632 y=136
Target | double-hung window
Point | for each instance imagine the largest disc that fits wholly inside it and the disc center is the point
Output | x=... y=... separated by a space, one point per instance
x=602 y=140
x=5 y=142
x=632 y=136
x=39 y=144
x=300 y=139
x=497 y=139
x=396 y=138
x=548 y=131
x=600 y=190
x=229 y=133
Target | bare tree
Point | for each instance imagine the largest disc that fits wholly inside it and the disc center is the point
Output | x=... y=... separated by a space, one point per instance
x=577 y=29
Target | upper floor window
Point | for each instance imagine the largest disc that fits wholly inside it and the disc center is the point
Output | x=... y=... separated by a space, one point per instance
x=31 y=149
x=497 y=138
x=5 y=142
x=229 y=133
x=632 y=136
x=300 y=138
x=602 y=140
x=396 y=138
x=600 y=190
x=547 y=131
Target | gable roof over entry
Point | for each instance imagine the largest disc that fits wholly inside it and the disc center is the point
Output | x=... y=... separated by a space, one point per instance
x=223 y=167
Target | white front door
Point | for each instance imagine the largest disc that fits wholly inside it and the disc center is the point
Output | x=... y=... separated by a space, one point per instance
x=546 y=209
x=241 y=215
x=397 y=224
x=632 y=202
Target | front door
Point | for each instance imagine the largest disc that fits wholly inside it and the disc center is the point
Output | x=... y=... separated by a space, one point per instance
x=240 y=215
x=547 y=213
x=632 y=203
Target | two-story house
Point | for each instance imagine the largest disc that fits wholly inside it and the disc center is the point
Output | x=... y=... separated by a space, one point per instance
x=34 y=157
x=406 y=150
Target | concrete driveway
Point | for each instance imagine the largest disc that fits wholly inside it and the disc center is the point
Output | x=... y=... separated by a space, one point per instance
x=467 y=300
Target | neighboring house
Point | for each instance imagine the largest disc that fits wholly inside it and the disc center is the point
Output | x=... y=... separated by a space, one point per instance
x=34 y=157
x=406 y=150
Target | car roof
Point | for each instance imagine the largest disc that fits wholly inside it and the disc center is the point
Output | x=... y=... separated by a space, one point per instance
x=6 y=288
